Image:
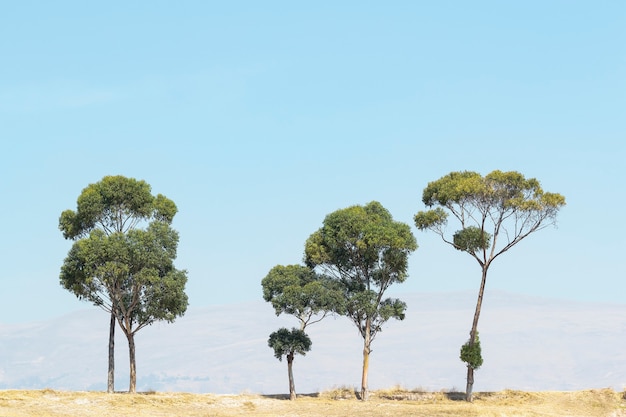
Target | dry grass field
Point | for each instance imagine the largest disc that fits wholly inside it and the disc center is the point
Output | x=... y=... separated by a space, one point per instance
x=339 y=402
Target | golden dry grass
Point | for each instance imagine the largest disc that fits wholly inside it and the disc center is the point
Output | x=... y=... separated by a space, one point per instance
x=392 y=402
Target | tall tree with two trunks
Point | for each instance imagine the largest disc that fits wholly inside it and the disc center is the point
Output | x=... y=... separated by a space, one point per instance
x=494 y=212
x=122 y=259
x=299 y=291
x=365 y=251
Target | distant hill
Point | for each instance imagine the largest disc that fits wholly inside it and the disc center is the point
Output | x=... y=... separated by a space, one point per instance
x=529 y=343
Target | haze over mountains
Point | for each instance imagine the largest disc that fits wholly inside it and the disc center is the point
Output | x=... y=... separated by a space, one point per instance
x=529 y=343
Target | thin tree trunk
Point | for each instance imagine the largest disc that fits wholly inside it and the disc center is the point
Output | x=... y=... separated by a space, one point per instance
x=292 y=385
x=470 y=384
x=111 y=374
x=132 y=388
x=470 y=371
x=366 y=360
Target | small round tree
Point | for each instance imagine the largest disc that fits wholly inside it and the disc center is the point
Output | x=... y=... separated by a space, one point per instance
x=287 y=343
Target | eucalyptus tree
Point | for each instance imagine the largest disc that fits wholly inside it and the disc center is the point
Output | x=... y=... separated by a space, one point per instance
x=494 y=212
x=299 y=291
x=365 y=251
x=119 y=266
x=287 y=343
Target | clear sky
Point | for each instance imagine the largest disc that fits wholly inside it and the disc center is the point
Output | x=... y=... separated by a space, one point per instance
x=259 y=118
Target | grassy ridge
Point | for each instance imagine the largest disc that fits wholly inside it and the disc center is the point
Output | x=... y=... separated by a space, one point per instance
x=338 y=402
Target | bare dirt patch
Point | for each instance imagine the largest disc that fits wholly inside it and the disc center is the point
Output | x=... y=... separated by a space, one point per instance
x=395 y=402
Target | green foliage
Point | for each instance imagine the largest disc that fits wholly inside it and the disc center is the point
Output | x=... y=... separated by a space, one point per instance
x=497 y=191
x=362 y=238
x=315 y=250
x=115 y=204
x=471 y=239
x=289 y=342
x=117 y=266
x=495 y=213
x=364 y=250
x=471 y=354
x=452 y=189
x=498 y=204
x=392 y=308
x=430 y=218
x=300 y=291
x=364 y=307
x=164 y=209
x=130 y=273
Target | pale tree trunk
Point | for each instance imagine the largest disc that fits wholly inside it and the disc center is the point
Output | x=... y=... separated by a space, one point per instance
x=111 y=374
x=132 y=388
x=470 y=371
x=470 y=384
x=366 y=360
x=292 y=385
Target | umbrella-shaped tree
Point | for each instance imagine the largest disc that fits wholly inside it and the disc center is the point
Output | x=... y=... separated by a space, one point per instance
x=495 y=212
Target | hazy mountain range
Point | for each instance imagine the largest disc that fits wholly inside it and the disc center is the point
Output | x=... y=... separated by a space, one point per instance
x=529 y=343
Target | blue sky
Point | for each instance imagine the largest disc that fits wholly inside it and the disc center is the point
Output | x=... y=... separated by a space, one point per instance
x=259 y=118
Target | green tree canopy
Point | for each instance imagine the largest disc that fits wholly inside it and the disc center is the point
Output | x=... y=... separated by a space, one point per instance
x=126 y=270
x=365 y=251
x=471 y=353
x=301 y=292
x=288 y=343
x=115 y=204
x=494 y=213
x=131 y=274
